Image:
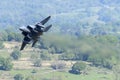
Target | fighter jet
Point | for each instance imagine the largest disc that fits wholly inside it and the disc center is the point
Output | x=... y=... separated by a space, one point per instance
x=32 y=33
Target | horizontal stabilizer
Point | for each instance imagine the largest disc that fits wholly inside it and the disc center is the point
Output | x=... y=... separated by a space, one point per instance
x=47 y=28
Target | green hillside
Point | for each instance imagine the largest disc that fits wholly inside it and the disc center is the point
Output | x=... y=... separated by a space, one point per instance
x=82 y=44
x=53 y=58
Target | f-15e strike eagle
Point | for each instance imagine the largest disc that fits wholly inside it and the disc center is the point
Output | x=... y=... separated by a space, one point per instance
x=32 y=33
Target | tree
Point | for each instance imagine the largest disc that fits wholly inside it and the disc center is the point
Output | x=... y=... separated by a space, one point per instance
x=78 y=67
x=18 y=77
x=17 y=37
x=16 y=54
x=45 y=56
x=67 y=56
x=34 y=71
x=5 y=64
x=1 y=45
x=108 y=63
x=34 y=56
x=116 y=71
x=102 y=60
x=58 y=65
x=3 y=36
x=37 y=62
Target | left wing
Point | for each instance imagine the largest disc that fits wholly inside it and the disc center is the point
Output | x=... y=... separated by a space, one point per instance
x=23 y=45
x=26 y=40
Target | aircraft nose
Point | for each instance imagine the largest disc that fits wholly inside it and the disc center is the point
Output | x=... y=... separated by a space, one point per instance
x=21 y=28
x=24 y=29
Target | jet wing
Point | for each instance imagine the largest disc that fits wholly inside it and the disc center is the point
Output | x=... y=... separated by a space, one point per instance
x=25 y=41
x=23 y=45
x=47 y=28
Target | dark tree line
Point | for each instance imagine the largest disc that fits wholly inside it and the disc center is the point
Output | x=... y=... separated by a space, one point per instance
x=10 y=34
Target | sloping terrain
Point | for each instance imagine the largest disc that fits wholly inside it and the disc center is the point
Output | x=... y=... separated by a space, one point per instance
x=25 y=67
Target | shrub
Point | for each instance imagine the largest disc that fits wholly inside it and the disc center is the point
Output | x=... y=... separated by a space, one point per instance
x=45 y=56
x=16 y=54
x=78 y=67
x=37 y=62
x=32 y=77
x=58 y=65
x=5 y=64
x=1 y=45
x=18 y=77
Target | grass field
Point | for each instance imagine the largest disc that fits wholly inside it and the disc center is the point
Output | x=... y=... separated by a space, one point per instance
x=50 y=74
x=23 y=66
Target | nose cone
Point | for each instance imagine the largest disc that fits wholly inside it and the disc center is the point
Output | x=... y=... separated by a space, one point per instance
x=24 y=29
x=21 y=28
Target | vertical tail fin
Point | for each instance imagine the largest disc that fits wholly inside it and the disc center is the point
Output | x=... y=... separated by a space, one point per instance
x=45 y=20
